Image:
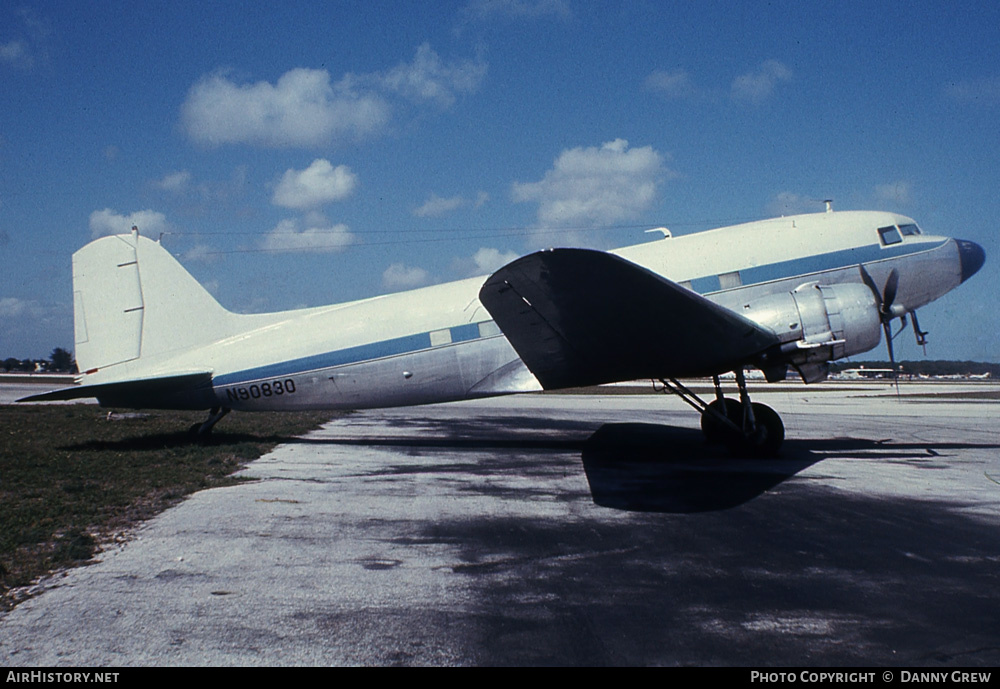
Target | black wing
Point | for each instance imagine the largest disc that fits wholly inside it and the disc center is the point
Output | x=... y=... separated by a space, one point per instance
x=583 y=317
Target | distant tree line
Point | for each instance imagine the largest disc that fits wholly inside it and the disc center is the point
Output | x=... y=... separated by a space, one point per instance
x=926 y=368
x=60 y=361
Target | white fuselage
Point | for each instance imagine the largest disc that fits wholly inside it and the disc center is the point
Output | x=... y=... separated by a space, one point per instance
x=440 y=344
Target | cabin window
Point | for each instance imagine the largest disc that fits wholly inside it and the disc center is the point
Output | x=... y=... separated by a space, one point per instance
x=440 y=337
x=730 y=280
x=889 y=235
x=909 y=230
x=488 y=329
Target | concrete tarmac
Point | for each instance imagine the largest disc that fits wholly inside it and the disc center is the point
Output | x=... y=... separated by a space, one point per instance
x=12 y=391
x=565 y=530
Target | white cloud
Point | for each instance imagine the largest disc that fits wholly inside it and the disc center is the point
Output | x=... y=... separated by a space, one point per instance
x=302 y=109
x=982 y=91
x=427 y=78
x=488 y=260
x=314 y=234
x=31 y=44
x=12 y=307
x=485 y=261
x=896 y=193
x=488 y=10
x=31 y=314
x=672 y=84
x=595 y=186
x=214 y=193
x=757 y=86
x=400 y=276
x=436 y=206
x=201 y=253
x=15 y=53
x=212 y=286
x=789 y=203
x=175 y=181
x=318 y=184
x=105 y=222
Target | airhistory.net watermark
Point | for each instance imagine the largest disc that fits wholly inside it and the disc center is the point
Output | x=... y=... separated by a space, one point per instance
x=60 y=677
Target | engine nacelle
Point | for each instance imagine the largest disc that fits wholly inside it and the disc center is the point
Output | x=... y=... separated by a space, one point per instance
x=817 y=324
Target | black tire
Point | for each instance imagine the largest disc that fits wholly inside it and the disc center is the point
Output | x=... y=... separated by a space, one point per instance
x=716 y=432
x=766 y=438
x=197 y=435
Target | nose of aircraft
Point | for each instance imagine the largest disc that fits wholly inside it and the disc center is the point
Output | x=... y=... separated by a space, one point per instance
x=971 y=256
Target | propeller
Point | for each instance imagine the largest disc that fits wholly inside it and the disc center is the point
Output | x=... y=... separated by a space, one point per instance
x=884 y=299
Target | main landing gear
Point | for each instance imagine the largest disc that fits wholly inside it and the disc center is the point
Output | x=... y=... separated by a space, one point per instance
x=747 y=428
x=202 y=431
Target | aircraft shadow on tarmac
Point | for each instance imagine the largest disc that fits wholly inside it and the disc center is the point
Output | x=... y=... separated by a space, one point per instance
x=640 y=467
x=629 y=466
x=654 y=468
x=658 y=468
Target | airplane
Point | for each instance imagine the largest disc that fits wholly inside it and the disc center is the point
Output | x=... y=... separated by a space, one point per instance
x=797 y=291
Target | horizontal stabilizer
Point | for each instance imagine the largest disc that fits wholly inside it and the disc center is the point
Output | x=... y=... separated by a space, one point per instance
x=150 y=393
x=583 y=317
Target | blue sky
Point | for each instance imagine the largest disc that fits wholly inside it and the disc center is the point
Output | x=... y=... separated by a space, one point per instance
x=313 y=153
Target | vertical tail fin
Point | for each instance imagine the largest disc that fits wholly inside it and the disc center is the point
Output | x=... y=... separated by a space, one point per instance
x=107 y=303
x=132 y=299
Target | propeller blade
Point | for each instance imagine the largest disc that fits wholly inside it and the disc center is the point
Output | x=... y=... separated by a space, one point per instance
x=885 y=297
x=870 y=283
x=887 y=326
x=889 y=294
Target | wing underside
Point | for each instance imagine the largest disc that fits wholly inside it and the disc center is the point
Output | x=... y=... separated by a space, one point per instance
x=583 y=317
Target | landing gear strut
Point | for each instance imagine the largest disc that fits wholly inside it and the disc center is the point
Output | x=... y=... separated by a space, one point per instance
x=202 y=431
x=747 y=428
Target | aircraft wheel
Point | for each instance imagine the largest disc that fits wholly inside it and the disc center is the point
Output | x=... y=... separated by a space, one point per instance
x=197 y=435
x=766 y=438
x=715 y=431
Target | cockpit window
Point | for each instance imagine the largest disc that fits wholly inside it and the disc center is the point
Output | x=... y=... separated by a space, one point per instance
x=909 y=230
x=889 y=235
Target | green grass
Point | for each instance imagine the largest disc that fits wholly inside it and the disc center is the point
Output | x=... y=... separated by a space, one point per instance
x=70 y=479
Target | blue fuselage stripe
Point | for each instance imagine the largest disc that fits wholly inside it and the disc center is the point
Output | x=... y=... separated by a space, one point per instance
x=471 y=331
x=823 y=262
x=351 y=355
x=464 y=333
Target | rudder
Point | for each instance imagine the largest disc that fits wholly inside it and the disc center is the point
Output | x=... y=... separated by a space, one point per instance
x=132 y=299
